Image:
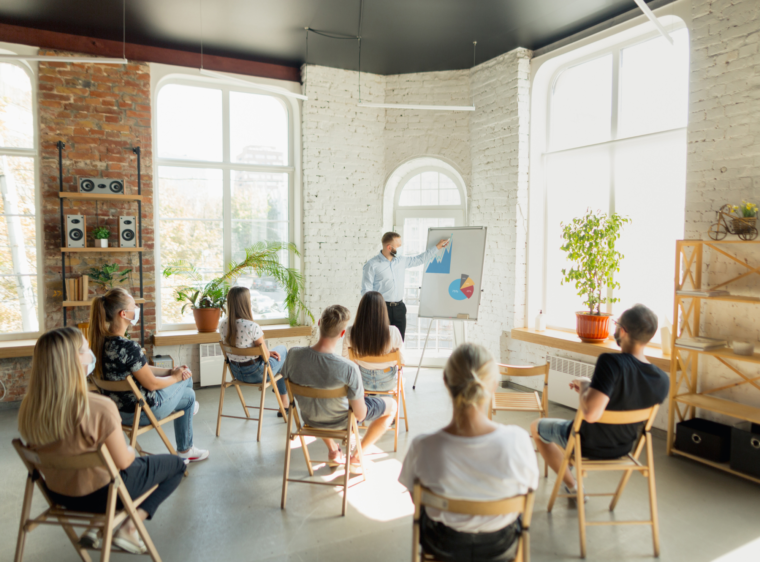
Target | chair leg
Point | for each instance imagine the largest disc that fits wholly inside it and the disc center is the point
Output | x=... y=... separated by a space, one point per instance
x=580 y=499
x=653 y=497
x=398 y=413
x=561 y=471
x=280 y=405
x=303 y=441
x=242 y=400
x=135 y=427
x=403 y=402
x=25 y=511
x=286 y=468
x=347 y=473
x=141 y=530
x=105 y=553
x=626 y=476
x=261 y=410
x=221 y=406
x=74 y=538
x=359 y=450
x=165 y=439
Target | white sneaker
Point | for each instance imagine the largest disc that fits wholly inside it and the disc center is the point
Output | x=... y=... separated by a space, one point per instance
x=573 y=499
x=90 y=539
x=196 y=407
x=194 y=454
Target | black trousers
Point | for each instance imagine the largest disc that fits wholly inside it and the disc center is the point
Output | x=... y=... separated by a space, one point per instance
x=165 y=470
x=397 y=317
x=449 y=545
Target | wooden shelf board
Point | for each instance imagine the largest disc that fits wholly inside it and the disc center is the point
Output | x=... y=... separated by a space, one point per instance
x=692 y=242
x=568 y=341
x=726 y=353
x=105 y=250
x=70 y=304
x=719 y=465
x=98 y=196
x=185 y=337
x=17 y=348
x=725 y=298
x=721 y=406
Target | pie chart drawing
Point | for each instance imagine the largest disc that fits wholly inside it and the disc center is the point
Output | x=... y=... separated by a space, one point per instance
x=461 y=289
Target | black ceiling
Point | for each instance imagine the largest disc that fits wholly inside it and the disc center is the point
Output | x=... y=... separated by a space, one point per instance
x=398 y=36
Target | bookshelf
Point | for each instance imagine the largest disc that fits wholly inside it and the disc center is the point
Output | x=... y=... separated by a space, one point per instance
x=685 y=397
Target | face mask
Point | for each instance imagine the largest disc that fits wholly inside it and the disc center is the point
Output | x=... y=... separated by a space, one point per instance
x=136 y=318
x=91 y=364
x=617 y=337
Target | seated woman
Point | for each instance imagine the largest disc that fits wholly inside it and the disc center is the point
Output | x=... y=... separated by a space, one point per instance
x=59 y=416
x=239 y=330
x=474 y=459
x=372 y=335
x=165 y=390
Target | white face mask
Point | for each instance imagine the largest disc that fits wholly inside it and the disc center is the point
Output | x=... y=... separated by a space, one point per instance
x=136 y=318
x=91 y=364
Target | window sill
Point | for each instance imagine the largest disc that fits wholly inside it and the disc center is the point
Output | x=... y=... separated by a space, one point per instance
x=568 y=341
x=185 y=337
x=17 y=348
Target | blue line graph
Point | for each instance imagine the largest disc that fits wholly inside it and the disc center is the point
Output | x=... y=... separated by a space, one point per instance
x=442 y=262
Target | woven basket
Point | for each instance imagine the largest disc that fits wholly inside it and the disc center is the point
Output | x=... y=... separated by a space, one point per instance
x=743 y=224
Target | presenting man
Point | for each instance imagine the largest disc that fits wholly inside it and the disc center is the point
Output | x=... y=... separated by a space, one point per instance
x=385 y=274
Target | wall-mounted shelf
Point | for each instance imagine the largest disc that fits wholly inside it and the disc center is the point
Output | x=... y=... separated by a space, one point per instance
x=101 y=250
x=726 y=353
x=71 y=304
x=98 y=196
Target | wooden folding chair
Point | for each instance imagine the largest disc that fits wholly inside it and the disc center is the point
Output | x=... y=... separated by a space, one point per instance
x=523 y=401
x=55 y=514
x=268 y=380
x=628 y=463
x=522 y=505
x=341 y=435
x=397 y=394
x=134 y=430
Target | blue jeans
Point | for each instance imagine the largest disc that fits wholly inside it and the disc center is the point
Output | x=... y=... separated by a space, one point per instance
x=179 y=396
x=556 y=431
x=254 y=374
x=378 y=379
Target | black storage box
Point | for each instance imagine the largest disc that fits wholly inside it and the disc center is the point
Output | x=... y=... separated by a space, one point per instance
x=704 y=438
x=745 y=448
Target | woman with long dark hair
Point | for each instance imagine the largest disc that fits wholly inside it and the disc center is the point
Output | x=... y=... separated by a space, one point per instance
x=165 y=390
x=372 y=335
x=59 y=416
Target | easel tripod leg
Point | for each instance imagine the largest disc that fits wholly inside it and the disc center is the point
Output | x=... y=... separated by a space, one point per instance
x=414 y=386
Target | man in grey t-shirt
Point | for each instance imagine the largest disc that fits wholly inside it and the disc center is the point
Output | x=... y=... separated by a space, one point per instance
x=319 y=367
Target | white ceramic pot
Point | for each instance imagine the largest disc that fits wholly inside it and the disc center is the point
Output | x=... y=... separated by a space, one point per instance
x=103 y=242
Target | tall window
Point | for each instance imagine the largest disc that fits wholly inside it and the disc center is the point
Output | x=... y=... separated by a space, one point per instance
x=18 y=222
x=617 y=143
x=224 y=183
x=427 y=197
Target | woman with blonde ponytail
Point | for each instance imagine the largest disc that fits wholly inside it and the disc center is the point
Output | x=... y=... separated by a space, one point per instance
x=59 y=417
x=472 y=458
x=165 y=390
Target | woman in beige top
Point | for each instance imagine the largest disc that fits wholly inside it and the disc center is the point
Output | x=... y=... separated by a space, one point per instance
x=59 y=416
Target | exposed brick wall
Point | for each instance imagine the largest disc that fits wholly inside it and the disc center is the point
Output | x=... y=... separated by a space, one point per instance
x=100 y=112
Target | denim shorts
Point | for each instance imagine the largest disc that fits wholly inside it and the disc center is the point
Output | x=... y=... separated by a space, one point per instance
x=375 y=408
x=556 y=431
x=379 y=379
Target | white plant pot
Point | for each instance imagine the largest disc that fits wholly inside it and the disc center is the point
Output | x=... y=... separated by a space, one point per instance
x=103 y=242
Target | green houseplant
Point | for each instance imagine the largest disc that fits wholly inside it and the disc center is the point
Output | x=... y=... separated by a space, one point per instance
x=108 y=275
x=590 y=246
x=101 y=233
x=206 y=299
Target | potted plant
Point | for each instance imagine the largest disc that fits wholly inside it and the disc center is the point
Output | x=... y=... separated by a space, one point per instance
x=101 y=233
x=108 y=274
x=590 y=246
x=746 y=216
x=208 y=298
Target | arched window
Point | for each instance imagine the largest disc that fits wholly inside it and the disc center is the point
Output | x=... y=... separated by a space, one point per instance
x=19 y=240
x=427 y=193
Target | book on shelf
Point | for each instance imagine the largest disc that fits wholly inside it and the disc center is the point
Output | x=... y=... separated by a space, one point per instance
x=78 y=288
x=705 y=293
x=700 y=343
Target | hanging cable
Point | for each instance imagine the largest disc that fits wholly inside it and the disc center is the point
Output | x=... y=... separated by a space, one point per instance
x=474 y=50
x=124 y=29
x=200 y=11
x=331 y=35
x=359 y=39
x=306 y=58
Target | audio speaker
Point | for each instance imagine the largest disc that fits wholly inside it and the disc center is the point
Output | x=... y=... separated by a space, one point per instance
x=75 y=231
x=127 y=232
x=101 y=186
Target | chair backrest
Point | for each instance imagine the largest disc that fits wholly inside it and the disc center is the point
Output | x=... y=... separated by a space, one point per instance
x=516 y=504
x=525 y=370
x=244 y=351
x=622 y=417
x=40 y=461
x=392 y=356
x=127 y=385
x=310 y=392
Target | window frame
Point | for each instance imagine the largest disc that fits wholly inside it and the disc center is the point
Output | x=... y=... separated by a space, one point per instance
x=540 y=147
x=226 y=166
x=34 y=154
x=416 y=172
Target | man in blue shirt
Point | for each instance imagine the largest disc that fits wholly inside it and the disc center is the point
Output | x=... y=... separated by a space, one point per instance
x=385 y=274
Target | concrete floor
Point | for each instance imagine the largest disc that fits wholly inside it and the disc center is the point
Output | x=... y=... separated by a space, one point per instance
x=229 y=506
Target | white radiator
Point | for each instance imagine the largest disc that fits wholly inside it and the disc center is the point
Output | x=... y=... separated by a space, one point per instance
x=561 y=372
x=212 y=364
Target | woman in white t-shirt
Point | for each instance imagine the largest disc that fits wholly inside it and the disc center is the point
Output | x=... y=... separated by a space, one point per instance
x=474 y=459
x=239 y=330
x=372 y=335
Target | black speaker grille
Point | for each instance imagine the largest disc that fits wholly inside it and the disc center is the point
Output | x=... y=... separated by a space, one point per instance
x=76 y=234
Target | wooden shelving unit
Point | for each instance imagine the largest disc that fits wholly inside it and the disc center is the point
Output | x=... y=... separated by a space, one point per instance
x=76 y=196
x=685 y=396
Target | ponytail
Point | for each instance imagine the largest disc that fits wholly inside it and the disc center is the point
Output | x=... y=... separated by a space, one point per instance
x=468 y=373
x=103 y=310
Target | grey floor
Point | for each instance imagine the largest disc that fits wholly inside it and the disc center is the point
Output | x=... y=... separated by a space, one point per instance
x=229 y=506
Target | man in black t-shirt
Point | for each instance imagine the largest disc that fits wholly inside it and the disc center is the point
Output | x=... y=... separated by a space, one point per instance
x=621 y=381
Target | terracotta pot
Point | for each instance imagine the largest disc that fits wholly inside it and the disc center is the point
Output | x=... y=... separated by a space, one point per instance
x=592 y=328
x=207 y=319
